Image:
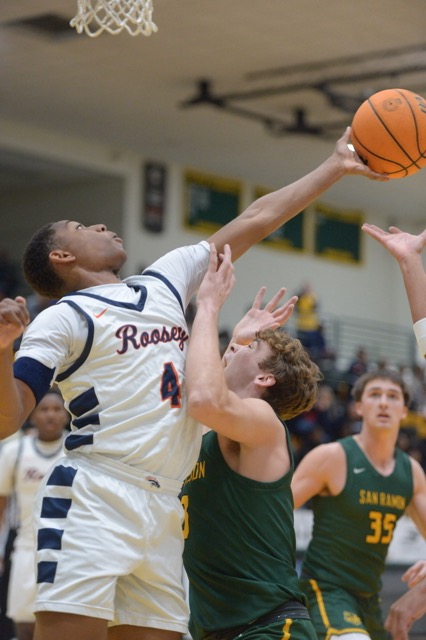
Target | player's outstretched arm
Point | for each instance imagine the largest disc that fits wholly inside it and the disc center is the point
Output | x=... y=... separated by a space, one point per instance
x=247 y=420
x=205 y=382
x=16 y=399
x=407 y=250
x=271 y=211
x=406 y=610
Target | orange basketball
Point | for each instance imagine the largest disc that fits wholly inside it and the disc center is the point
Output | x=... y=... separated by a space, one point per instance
x=389 y=132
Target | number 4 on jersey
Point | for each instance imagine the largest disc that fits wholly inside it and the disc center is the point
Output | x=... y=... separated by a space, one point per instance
x=170 y=386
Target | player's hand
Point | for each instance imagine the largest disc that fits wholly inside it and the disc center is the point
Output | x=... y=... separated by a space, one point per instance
x=219 y=279
x=415 y=573
x=408 y=608
x=14 y=318
x=400 y=619
x=270 y=317
x=351 y=162
x=399 y=243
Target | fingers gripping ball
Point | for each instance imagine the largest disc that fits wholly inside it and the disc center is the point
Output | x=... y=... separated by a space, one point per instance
x=389 y=132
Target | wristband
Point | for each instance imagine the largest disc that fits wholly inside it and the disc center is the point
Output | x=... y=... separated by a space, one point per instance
x=420 y=333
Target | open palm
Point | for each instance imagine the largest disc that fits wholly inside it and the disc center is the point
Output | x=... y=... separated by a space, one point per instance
x=400 y=244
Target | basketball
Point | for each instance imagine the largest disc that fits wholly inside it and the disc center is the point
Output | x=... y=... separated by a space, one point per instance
x=389 y=132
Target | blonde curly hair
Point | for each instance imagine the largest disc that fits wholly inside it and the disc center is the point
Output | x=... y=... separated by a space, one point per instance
x=296 y=376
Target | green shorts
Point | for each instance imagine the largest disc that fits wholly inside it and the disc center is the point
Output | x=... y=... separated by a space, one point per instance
x=291 y=629
x=289 y=621
x=334 y=610
x=288 y=629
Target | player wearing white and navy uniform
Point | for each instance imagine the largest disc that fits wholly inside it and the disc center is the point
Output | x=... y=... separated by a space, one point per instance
x=24 y=462
x=118 y=354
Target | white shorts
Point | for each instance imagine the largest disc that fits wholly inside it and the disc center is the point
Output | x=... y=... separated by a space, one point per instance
x=22 y=586
x=107 y=548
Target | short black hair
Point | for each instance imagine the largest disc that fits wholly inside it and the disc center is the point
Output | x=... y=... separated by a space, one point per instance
x=38 y=269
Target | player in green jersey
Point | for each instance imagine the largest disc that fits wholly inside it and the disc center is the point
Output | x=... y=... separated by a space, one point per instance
x=360 y=486
x=239 y=528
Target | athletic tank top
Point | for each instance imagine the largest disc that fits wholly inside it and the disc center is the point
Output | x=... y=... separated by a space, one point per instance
x=240 y=543
x=352 y=531
x=117 y=352
x=124 y=393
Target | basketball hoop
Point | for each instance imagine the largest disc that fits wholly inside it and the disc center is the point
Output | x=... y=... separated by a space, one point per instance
x=95 y=16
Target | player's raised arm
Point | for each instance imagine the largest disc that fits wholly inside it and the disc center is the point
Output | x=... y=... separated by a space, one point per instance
x=232 y=408
x=16 y=399
x=271 y=211
x=407 y=250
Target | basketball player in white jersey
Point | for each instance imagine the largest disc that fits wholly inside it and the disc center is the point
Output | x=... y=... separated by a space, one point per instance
x=109 y=519
x=24 y=461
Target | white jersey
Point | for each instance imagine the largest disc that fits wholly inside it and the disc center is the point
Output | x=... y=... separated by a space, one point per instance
x=24 y=462
x=118 y=355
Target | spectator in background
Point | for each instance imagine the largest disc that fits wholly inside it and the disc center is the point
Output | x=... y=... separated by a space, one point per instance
x=414 y=378
x=329 y=369
x=330 y=413
x=322 y=423
x=308 y=326
x=405 y=440
x=303 y=443
x=353 y=422
x=358 y=367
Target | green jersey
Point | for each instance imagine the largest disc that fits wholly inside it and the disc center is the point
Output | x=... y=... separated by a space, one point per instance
x=352 y=531
x=240 y=543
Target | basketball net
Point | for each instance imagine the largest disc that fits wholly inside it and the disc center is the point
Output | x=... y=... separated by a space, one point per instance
x=95 y=16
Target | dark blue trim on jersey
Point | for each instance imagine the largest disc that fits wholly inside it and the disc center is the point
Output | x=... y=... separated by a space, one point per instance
x=46 y=572
x=84 y=354
x=76 y=440
x=83 y=403
x=113 y=303
x=36 y=375
x=49 y=539
x=62 y=476
x=175 y=292
x=92 y=418
x=55 y=507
